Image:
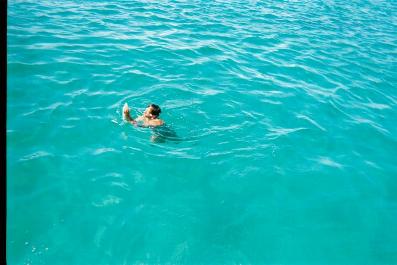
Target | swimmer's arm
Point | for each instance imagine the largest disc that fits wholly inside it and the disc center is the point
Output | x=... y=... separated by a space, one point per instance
x=135 y=122
x=128 y=118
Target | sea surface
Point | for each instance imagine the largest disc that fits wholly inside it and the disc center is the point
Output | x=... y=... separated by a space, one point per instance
x=286 y=116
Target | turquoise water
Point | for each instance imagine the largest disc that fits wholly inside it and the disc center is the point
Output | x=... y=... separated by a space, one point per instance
x=287 y=112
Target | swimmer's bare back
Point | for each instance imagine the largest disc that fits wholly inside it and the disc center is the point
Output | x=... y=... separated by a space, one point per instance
x=140 y=121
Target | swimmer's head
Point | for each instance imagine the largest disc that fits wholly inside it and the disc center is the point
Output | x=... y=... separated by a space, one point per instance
x=152 y=111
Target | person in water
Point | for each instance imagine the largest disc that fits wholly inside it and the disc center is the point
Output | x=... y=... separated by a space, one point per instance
x=149 y=118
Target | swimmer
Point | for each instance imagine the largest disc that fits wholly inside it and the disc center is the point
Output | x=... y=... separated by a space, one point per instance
x=149 y=118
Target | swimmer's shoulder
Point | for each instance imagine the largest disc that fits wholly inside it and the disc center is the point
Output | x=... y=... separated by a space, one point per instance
x=156 y=123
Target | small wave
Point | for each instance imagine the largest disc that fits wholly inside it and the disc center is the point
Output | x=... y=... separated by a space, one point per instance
x=329 y=162
x=108 y=201
x=300 y=116
x=56 y=105
x=36 y=155
x=276 y=133
x=100 y=151
x=377 y=106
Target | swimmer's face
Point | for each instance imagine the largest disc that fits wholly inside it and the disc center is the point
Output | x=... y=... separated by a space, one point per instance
x=148 y=113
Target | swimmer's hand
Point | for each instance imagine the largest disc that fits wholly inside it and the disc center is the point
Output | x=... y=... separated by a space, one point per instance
x=126 y=114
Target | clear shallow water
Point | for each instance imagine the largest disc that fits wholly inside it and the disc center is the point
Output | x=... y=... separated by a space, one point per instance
x=287 y=110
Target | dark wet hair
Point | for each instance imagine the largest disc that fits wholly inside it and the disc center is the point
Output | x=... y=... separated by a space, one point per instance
x=155 y=109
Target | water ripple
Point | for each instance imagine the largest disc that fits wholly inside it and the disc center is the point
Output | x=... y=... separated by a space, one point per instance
x=277 y=106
